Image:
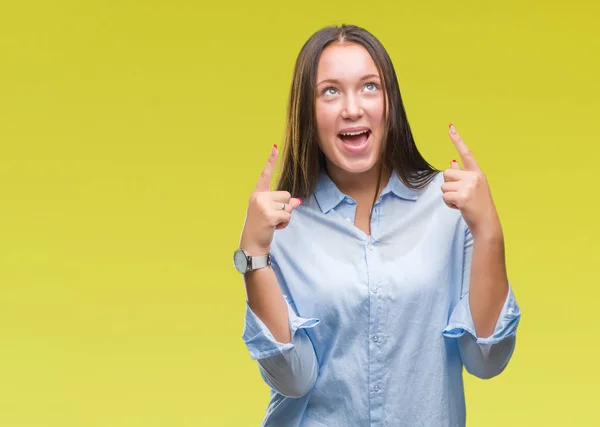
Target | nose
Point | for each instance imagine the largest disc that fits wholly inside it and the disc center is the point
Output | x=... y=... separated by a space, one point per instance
x=352 y=109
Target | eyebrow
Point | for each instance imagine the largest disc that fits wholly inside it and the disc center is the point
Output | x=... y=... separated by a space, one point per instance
x=366 y=77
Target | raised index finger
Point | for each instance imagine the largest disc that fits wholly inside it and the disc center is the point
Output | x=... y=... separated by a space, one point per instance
x=264 y=182
x=465 y=153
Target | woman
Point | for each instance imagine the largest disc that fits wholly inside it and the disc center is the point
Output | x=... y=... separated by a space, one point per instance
x=371 y=277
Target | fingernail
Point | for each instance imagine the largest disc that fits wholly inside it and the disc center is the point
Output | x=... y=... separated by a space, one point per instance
x=452 y=129
x=453 y=161
x=275 y=145
x=300 y=200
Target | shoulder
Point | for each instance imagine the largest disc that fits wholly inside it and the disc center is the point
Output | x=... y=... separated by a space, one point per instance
x=431 y=194
x=430 y=206
x=305 y=220
x=435 y=182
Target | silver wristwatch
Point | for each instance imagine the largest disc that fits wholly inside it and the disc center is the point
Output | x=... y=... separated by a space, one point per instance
x=245 y=263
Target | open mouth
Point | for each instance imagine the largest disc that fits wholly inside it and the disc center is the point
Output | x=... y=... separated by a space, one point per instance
x=355 y=141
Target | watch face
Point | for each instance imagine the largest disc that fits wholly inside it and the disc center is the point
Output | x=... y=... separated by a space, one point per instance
x=240 y=261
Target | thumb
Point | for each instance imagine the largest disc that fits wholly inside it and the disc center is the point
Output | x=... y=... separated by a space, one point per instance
x=453 y=165
x=294 y=203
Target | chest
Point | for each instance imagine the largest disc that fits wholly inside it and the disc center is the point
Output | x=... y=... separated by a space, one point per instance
x=412 y=268
x=362 y=219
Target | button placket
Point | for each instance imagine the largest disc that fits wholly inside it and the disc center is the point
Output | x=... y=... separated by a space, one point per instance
x=376 y=331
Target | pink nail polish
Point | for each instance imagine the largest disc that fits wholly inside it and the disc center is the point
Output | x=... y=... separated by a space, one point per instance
x=453 y=161
x=275 y=145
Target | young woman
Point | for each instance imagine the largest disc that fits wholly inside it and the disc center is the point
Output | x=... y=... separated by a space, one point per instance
x=371 y=277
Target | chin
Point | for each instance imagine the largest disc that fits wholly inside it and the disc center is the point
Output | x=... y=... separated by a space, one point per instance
x=356 y=166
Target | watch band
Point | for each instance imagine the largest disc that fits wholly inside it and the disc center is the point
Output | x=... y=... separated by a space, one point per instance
x=260 y=261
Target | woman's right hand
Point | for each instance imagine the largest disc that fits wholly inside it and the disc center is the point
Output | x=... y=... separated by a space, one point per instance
x=265 y=213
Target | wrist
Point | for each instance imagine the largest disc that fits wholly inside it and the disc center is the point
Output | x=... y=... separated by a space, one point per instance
x=489 y=235
x=255 y=250
x=487 y=229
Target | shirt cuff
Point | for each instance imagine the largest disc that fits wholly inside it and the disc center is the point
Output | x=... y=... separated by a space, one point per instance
x=260 y=341
x=461 y=321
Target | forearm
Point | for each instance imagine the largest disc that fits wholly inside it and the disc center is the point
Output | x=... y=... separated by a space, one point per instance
x=489 y=281
x=276 y=336
x=266 y=301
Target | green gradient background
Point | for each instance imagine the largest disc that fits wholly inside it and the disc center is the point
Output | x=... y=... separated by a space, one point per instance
x=131 y=136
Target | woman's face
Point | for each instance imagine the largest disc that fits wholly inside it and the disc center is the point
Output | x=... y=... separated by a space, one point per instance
x=349 y=108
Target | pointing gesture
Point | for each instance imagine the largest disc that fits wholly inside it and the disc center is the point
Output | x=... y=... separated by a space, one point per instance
x=267 y=211
x=264 y=182
x=465 y=154
x=468 y=191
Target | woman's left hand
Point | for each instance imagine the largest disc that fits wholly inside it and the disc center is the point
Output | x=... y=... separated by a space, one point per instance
x=468 y=191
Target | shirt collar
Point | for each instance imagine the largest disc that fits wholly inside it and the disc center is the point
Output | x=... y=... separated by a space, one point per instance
x=329 y=196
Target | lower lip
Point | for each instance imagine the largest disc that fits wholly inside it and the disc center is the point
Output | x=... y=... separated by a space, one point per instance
x=356 y=149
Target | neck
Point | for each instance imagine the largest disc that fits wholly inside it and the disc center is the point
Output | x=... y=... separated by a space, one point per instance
x=360 y=186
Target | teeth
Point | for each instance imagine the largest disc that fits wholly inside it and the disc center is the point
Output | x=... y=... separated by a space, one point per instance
x=353 y=133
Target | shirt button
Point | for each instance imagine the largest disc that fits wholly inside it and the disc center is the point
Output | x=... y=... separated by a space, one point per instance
x=375 y=289
x=377 y=387
x=370 y=246
x=375 y=338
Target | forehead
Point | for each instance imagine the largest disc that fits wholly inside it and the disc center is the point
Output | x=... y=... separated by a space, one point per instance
x=345 y=61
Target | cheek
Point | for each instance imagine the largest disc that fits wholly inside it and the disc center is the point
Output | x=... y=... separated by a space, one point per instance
x=376 y=111
x=376 y=119
x=326 y=116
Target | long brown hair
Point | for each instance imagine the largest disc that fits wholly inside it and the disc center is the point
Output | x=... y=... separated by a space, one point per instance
x=302 y=157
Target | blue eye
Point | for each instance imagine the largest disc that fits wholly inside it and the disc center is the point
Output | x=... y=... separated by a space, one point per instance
x=330 y=91
x=371 y=87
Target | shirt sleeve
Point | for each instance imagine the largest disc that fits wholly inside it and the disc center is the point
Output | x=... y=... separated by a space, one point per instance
x=484 y=357
x=290 y=369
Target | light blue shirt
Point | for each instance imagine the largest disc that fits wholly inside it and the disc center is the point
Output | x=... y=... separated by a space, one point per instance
x=380 y=324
